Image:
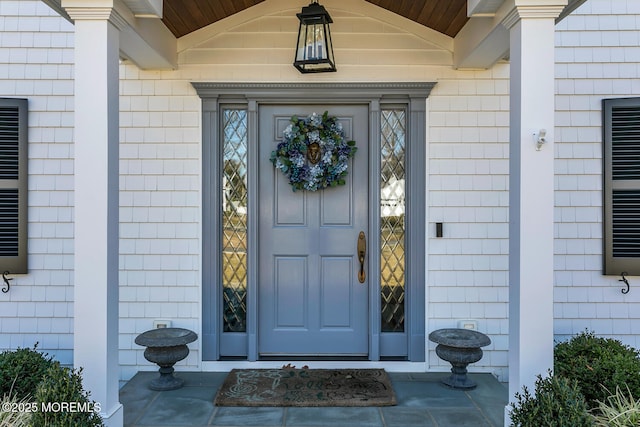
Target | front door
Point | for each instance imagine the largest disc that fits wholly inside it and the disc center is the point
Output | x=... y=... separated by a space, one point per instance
x=310 y=299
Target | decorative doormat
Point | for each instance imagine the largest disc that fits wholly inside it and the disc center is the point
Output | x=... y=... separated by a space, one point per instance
x=306 y=387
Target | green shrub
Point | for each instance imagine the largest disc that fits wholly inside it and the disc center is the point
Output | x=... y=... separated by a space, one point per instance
x=63 y=386
x=620 y=410
x=557 y=403
x=598 y=365
x=21 y=371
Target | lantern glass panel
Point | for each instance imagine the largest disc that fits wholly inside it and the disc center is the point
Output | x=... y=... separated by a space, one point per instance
x=314 y=51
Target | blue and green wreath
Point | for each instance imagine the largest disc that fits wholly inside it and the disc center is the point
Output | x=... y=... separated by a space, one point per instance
x=314 y=153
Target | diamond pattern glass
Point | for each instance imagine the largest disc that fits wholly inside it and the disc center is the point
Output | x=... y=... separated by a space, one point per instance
x=392 y=213
x=234 y=220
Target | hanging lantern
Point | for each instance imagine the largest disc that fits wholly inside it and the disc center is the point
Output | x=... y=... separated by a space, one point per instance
x=314 y=52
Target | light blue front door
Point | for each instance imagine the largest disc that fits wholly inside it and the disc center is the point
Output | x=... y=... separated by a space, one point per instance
x=310 y=299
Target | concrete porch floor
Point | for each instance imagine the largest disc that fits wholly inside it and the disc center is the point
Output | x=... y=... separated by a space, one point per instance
x=422 y=401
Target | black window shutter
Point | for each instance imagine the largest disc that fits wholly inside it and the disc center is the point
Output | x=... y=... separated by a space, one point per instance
x=13 y=185
x=621 y=157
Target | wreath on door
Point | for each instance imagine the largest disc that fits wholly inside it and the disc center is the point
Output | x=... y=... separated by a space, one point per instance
x=314 y=153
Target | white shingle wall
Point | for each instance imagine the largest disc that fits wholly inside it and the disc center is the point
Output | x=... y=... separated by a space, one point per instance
x=468 y=192
x=597 y=54
x=467 y=179
x=160 y=199
x=36 y=60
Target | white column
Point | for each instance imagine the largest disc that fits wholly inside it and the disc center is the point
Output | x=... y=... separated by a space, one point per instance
x=96 y=201
x=531 y=197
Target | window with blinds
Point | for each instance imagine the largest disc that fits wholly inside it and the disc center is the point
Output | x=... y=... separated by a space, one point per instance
x=621 y=120
x=13 y=185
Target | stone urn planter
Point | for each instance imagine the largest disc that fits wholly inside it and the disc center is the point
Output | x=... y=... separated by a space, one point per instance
x=459 y=347
x=165 y=347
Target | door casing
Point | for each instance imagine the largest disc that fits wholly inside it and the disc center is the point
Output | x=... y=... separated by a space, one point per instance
x=413 y=96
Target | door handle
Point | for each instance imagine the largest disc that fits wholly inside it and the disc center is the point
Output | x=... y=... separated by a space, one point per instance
x=362 y=252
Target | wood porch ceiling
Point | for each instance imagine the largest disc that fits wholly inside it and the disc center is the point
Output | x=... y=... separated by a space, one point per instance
x=185 y=16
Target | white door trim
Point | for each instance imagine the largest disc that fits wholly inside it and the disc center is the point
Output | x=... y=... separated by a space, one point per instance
x=413 y=96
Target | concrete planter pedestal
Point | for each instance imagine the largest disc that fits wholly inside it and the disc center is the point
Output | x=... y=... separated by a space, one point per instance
x=165 y=347
x=459 y=347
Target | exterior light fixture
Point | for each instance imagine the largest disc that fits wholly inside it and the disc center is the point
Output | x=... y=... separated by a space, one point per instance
x=314 y=51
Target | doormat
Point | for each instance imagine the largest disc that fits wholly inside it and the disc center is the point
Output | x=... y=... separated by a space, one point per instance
x=306 y=387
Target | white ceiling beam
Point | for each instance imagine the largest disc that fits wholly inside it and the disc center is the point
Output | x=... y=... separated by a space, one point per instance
x=480 y=44
x=483 y=7
x=145 y=41
x=145 y=8
x=149 y=44
x=484 y=40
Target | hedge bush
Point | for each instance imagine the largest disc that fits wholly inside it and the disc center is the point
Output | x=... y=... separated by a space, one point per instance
x=556 y=402
x=62 y=385
x=598 y=365
x=21 y=371
x=54 y=393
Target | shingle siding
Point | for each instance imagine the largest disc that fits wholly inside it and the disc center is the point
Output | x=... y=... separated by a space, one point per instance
x=160 y=183
x=596 y=58
x=468 y=193
x=36 y=62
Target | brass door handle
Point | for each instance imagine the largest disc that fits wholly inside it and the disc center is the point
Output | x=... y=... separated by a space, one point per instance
x=362 y=252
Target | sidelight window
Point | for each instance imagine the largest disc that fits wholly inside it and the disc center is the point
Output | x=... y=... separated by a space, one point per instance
x=392 y=219
x=234 y=220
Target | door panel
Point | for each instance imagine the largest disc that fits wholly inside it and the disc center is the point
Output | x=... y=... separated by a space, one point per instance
x=310 y=301
x=335 y=270
x=337 y=208
x=291 y=292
